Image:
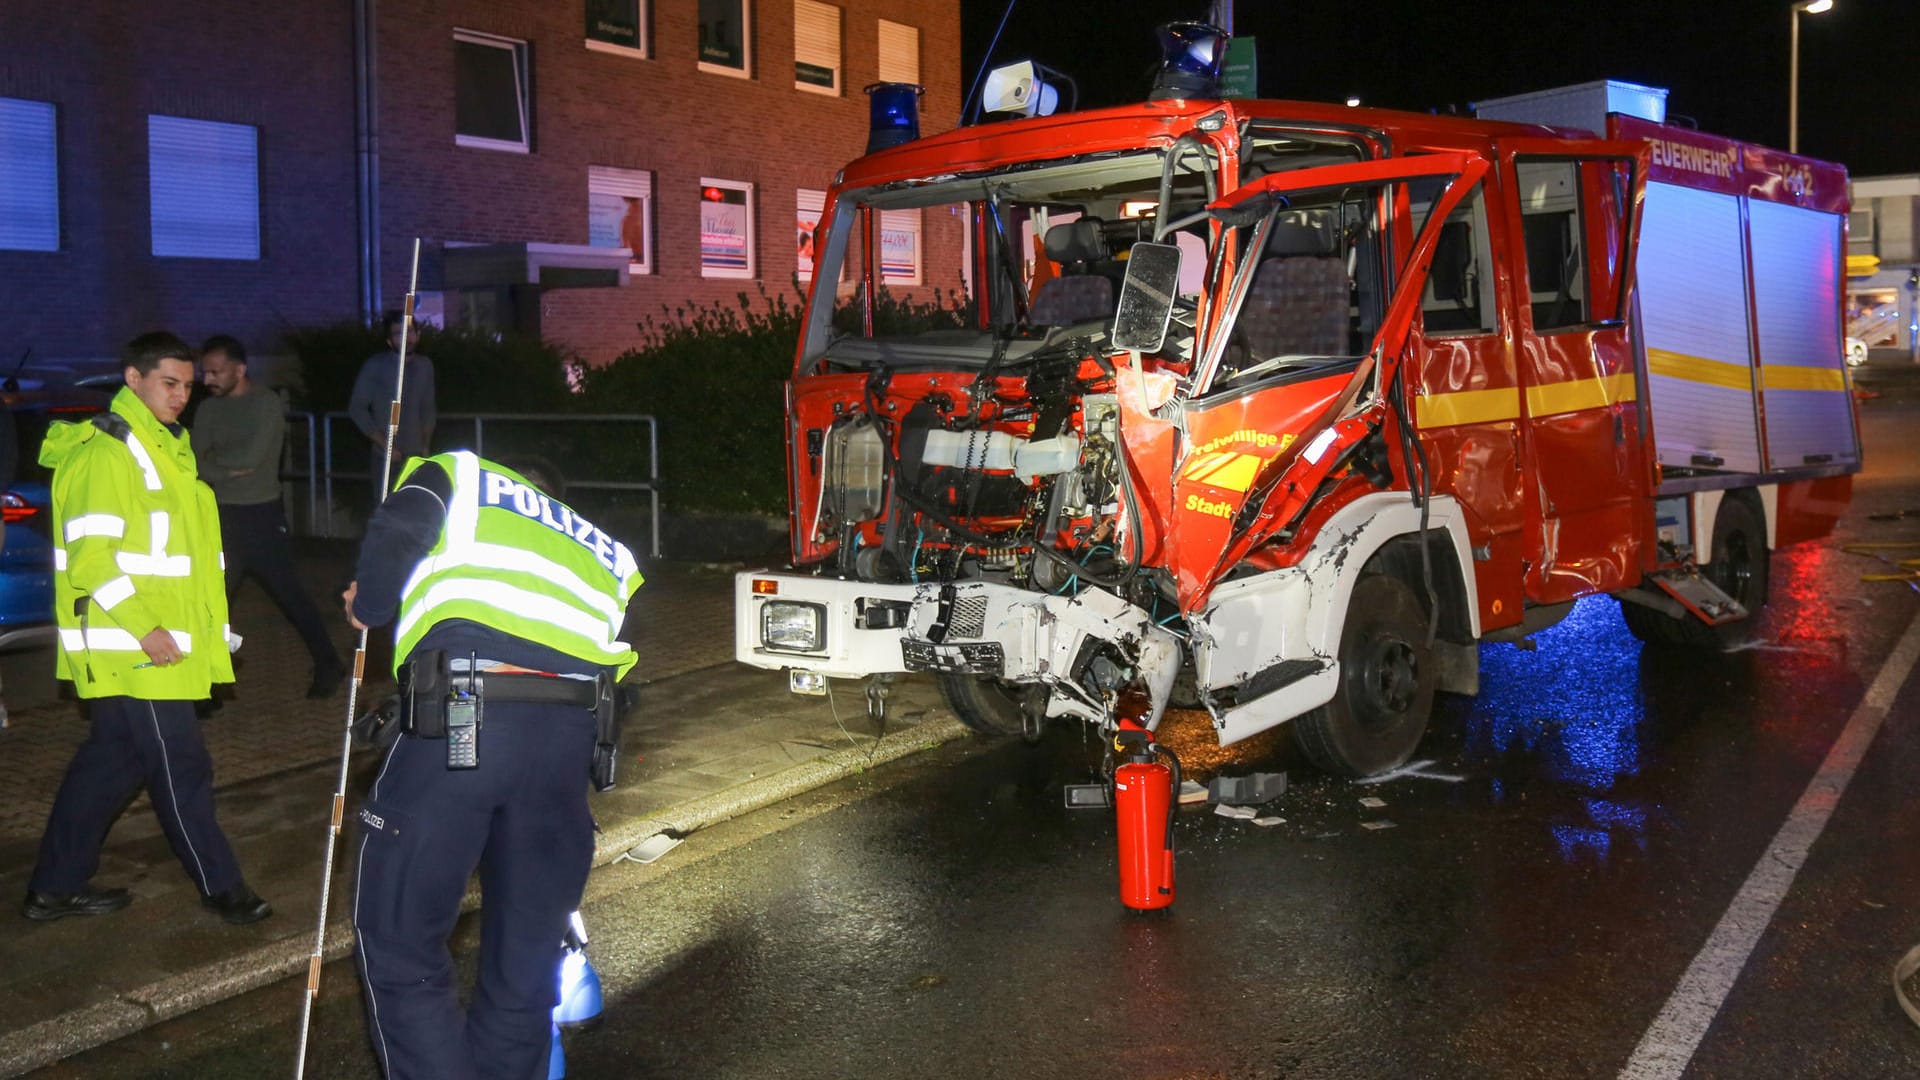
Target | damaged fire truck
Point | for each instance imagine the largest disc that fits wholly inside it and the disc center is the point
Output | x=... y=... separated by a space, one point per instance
x=1303 y=403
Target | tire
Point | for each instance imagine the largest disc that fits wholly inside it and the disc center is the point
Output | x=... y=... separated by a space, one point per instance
x=985 y=705
x=1387 y=679
x=1739 y=567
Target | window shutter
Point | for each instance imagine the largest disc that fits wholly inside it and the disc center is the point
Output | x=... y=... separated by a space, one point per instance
x=899 y=53
x=816 y=45
x=29 y=177
x=204 y=184
x=623 y=182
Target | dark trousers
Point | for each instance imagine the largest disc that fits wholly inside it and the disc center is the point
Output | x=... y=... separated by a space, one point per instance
x=133 y=742
x=255 y=538
x=521 y=817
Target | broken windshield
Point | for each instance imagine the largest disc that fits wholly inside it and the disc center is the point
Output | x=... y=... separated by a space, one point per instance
x=1024 y=256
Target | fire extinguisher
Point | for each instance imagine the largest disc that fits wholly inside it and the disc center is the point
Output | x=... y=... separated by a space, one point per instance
x=1144 y=806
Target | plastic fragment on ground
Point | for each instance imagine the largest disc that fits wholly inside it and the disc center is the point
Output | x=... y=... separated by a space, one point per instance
x=1376 y=825
x=652 y=848
x=1247 y=790
x=1243 y=813
x=1191 y=792
x=1269 y=822
x=1373 y=802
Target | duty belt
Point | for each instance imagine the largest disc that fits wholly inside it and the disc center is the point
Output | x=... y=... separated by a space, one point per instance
x=495 y=688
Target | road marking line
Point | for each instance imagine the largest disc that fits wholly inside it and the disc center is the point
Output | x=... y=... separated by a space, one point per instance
x=1669 y=1044
x=1412 y=768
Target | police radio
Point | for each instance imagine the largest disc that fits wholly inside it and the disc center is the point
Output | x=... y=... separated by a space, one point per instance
x=463 y=723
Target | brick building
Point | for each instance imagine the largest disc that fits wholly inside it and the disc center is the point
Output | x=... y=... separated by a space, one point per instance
x=574 y=167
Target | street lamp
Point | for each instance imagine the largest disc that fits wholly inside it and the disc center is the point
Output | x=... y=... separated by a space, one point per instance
x=1811 y=7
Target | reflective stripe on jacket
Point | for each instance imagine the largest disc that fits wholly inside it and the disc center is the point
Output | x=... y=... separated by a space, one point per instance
x=136 y=546
x=521 y=562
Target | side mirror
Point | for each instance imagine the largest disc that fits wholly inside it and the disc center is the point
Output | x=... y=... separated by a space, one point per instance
x=1146 y=297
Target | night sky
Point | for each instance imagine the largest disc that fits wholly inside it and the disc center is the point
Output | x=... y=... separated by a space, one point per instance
x=1725 y=61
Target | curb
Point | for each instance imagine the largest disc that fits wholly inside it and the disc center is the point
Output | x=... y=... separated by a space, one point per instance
x=95 y=1025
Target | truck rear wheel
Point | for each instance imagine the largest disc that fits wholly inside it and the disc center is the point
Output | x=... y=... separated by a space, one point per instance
x=1739 y=567
x=985 y=705
x=1387 y=680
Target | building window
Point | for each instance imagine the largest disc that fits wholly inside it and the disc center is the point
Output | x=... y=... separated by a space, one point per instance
x=490 y=108
x=726 y=37
x=816 y=47
x=900 y=247
x=811 y=205
x=620 y=213
x=29 y=177
x=1860 y=231
x=203 y=180
x=618 y=26
x=726 y=229
x=899 y=52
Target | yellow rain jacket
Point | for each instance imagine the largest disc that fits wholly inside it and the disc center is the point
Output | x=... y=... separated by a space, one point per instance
x=136 y=540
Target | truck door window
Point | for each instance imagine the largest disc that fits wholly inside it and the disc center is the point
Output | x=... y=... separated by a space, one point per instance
x=1458 y=298
x=1550 y=225
x=1573 y=223
x=1314 y=299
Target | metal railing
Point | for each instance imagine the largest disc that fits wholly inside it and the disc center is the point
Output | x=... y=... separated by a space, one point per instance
x=320 y=474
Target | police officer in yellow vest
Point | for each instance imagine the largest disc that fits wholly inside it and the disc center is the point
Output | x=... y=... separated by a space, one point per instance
x=141 y=607
x=509 y=608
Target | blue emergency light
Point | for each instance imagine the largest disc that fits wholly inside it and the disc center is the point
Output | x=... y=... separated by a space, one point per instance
x=895 y=114
x=1190 y=57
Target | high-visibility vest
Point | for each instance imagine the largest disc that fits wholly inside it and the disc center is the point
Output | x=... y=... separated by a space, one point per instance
x=521 y=562
x=136 y=547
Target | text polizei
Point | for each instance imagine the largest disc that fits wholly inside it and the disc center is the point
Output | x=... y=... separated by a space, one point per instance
x=506 y=493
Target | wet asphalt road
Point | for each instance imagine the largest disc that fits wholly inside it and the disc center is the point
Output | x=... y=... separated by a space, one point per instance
x=1583 y=826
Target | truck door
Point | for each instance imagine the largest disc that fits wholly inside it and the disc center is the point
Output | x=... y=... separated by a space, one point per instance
x=1309 y=340
x=1571 y=208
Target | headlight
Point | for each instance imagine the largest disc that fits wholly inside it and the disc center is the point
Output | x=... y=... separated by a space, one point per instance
x=793 y=626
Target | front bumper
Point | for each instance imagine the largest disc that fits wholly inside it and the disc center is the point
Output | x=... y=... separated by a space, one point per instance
x=1071 y=644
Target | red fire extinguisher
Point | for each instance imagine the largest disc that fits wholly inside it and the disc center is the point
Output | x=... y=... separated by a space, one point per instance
x=1144 y=806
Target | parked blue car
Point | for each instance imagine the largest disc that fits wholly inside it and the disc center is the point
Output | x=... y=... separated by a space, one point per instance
x=26 y=560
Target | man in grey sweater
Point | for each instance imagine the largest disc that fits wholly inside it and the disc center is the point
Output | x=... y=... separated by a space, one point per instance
x=237 y=436
x=372 y=401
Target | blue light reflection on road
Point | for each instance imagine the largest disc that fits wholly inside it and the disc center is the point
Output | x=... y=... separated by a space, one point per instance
x=1572 y=708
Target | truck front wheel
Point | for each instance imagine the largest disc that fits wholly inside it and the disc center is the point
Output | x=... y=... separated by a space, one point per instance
x=985 y=705
x=1387 y=680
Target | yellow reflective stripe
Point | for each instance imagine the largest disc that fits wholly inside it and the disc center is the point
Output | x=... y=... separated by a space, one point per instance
x=511 y=600
x=113 y=639
x=1467 y=407
x=95 y=525
x=1699 y=369
x=1794 y=377
x=1577 y=394
x=113 y=592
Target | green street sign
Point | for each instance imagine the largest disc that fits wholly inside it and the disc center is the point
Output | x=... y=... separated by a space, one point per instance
x=1239 y=74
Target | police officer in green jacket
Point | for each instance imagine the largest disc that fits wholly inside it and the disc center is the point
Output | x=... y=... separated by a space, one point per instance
x=508 y=609
x=140 y=603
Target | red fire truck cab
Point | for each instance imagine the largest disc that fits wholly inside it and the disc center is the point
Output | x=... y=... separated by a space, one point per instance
x=1302 y=403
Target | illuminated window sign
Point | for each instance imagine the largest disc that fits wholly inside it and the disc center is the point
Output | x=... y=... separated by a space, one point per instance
x=900 y=247
x=726 y=229
x=620 y=213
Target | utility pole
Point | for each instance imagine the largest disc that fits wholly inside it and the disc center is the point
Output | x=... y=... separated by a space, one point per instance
x=1222 y=15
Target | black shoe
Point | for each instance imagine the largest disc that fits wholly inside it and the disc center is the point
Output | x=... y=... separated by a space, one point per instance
x=238 y=905
x=326 y=682
x=45 y=907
